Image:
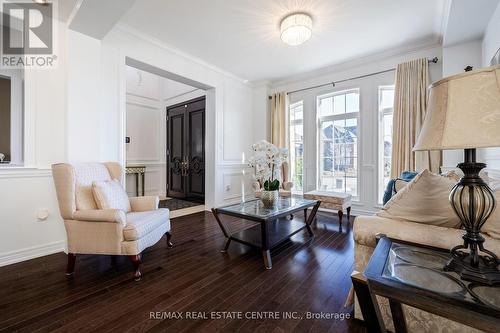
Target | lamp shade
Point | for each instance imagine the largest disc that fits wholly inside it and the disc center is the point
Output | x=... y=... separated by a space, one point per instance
x=463 y=112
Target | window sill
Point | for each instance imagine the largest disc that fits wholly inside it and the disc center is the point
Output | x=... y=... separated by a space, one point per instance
x=16 y=171
x=12 y=166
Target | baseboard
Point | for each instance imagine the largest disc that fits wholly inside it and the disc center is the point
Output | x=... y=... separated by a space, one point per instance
x=9 y=258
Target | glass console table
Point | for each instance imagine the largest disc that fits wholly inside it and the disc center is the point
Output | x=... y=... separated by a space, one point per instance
x=414 y=275
x=273 y=228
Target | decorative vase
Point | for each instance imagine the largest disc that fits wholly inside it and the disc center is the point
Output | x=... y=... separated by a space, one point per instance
x=269 y=198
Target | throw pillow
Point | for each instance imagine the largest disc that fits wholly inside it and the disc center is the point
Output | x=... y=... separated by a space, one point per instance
x=423 y=200
x=109 y=194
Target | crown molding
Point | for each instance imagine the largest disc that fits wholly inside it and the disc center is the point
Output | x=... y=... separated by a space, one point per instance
x=155 y=41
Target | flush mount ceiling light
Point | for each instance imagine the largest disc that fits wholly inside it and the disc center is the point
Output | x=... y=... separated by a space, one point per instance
x=296 y=29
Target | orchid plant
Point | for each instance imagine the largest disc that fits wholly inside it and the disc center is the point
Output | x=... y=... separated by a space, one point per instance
x=266 y=161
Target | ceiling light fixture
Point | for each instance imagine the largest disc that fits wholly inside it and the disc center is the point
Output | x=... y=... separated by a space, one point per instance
x=296 y=29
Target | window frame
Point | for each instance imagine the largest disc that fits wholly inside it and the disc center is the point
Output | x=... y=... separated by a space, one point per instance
x=292 y=123
x=17 y=117
x=380 y=138
x=334 y=117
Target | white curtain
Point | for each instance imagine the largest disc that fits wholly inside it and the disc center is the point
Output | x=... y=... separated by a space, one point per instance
x=279 y=120
x=410 y=104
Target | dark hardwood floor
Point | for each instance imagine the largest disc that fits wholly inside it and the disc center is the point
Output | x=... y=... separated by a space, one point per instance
x=308 y=275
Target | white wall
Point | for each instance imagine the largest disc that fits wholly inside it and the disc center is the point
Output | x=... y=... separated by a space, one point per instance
x=367 y=201
x=84 y=108
x=261 y=112
x=491 y=44
x=455 y=59
x=28 y=190
x=146 y=129
x=491 y=40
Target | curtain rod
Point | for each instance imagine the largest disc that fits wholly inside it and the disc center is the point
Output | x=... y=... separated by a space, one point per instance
x=433 y=60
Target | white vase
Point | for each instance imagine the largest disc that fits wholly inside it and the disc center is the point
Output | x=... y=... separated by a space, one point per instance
x=269 y=198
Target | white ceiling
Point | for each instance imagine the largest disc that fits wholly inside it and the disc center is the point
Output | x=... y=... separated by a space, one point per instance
x=468 y=20
x=242 y=36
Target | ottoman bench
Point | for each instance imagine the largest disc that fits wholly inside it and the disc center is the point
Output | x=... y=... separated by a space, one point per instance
x=333 y=200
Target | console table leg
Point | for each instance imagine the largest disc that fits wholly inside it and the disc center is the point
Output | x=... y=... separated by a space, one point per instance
x=368 y=304
x=398 y=317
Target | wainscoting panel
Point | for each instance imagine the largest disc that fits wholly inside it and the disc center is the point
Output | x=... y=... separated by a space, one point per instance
x=237 y=183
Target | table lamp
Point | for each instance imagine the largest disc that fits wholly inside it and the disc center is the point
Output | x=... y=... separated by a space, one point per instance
x=464 y=113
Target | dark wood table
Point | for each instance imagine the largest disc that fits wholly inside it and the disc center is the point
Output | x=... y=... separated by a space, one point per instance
x=414 y=275
x=274 y=226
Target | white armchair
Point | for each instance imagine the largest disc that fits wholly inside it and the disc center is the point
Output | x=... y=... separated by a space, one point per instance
x=105 y=231
x=285 y=185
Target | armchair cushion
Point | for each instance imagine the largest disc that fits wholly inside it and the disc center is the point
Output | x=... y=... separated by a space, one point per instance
x=139 y=224
x=143 y=204
x=84 y=175
x=109 y=194
x=100 y=215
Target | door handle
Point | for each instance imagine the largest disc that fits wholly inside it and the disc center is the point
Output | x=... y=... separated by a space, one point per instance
x=185 y=166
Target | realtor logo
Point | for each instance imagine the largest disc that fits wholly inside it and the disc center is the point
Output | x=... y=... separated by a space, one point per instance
x=27 y=34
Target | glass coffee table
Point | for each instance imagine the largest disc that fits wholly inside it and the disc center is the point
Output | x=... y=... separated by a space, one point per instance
x=414 y=275
x=274 y=227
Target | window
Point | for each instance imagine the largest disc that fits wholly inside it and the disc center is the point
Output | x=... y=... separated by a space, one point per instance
x=338 y=141
x=385 y=107
x=11 y=117
x=297 y=145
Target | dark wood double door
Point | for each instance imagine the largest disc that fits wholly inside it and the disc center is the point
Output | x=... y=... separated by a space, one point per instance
x=186 y=150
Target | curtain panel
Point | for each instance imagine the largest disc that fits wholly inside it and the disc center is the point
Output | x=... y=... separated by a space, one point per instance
x=279 y=120
x=410 y=105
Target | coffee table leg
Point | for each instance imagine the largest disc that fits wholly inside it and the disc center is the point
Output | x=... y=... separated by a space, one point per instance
x=226 y=245
x=348 y=214
x=311 y=218
x=224 y=231
x=341 y=213
x=266 y=254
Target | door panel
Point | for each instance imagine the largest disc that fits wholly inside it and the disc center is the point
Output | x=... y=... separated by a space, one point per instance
x=196 y=179
x=186 y=150
x=176 y=153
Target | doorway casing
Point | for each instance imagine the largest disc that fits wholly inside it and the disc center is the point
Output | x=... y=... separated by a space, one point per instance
x=210 y=120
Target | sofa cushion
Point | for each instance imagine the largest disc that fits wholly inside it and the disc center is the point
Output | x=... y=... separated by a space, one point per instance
x=140 y=224
x=110 y=194
x=85 y=175
x=423 y=200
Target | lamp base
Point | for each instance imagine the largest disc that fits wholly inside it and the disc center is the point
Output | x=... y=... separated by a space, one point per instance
x=473 y=202
x=486 y=272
